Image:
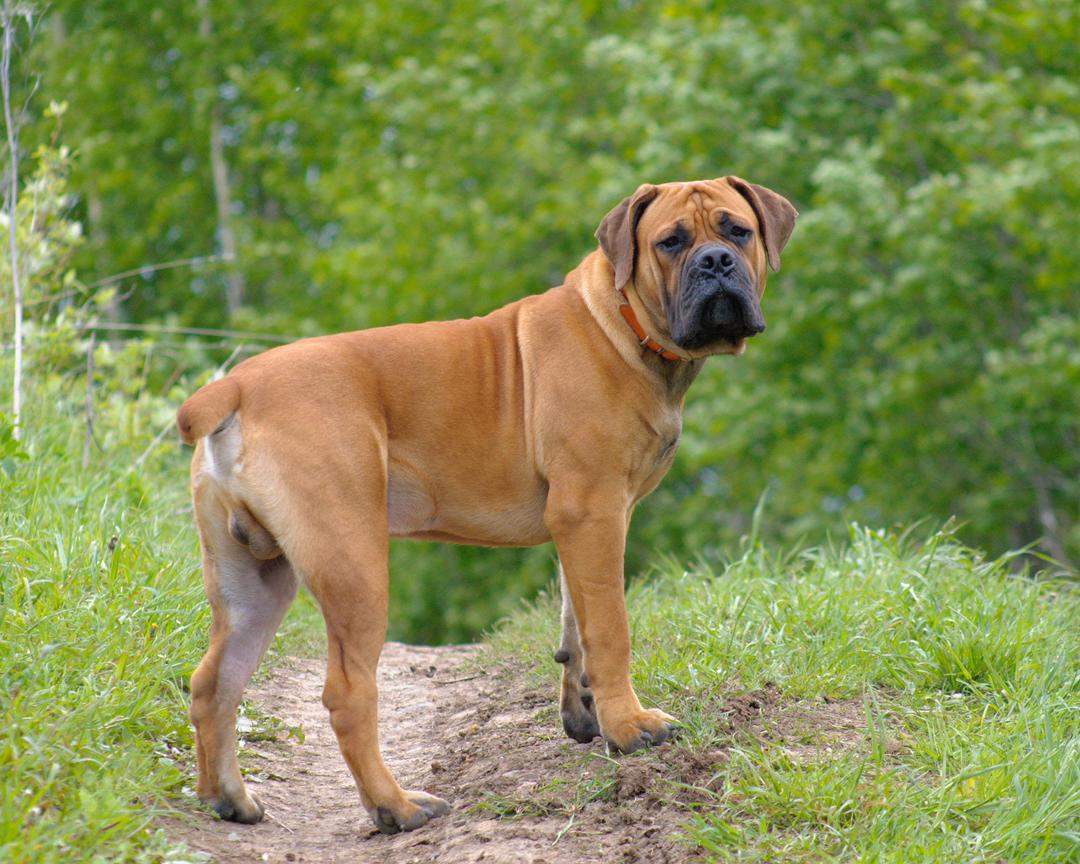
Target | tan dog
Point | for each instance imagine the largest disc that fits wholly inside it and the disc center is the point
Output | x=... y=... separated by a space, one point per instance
x=548 y=419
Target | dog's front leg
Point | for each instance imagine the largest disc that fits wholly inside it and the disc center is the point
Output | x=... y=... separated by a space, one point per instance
x=591 y=538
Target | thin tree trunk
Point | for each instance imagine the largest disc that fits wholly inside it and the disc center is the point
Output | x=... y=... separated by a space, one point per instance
x=1053 y=538
x=13 y=204
x=234 y=280
x=95 y=217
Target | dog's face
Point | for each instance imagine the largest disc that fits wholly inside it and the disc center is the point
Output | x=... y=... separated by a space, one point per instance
x=695 y=254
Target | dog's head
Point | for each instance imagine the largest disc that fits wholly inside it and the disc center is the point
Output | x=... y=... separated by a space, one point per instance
x=695 y=254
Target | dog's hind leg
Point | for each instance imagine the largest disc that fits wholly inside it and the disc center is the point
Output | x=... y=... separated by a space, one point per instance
x=248 y=599
x=576 y=703
x=345 y=564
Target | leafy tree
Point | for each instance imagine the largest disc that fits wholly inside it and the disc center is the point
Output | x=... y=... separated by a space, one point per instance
x=390 y=162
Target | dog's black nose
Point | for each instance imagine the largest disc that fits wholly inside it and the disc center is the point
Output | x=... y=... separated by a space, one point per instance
x=715 y=259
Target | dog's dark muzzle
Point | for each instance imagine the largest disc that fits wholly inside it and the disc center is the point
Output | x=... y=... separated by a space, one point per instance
x=732 y=314
x=717 y=299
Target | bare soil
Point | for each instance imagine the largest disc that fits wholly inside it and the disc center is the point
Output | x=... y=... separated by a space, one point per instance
x=492 y=745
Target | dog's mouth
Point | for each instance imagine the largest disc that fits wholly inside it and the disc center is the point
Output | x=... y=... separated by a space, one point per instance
x=719 y=317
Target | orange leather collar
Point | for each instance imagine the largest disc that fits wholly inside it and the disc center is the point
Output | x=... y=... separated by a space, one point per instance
x=644 y=339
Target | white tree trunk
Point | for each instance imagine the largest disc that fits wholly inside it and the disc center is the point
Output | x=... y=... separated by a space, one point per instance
x=8 y=20
x=234 y=280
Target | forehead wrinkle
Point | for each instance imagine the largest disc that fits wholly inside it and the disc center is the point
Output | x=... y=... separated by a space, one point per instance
x=702 y=199
x=700 y=214
x=720 y=196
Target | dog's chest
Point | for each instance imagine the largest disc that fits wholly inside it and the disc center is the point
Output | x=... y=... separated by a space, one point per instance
x=659 y=452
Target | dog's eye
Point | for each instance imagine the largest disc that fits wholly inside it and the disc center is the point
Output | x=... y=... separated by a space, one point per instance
x=670 y=244
x=739 y=232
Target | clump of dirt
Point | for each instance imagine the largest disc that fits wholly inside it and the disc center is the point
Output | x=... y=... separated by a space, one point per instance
x=746 y=710
x=673 y=775
x=493 y=746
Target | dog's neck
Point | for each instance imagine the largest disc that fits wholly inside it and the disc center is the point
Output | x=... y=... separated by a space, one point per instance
x=603 y=301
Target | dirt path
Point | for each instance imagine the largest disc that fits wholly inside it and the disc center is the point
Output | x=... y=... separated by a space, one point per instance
x=488 y=743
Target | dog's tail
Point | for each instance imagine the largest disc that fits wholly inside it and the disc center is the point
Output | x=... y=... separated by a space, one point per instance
x=207 y=408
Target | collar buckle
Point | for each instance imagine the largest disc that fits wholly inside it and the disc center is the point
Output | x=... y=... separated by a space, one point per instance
x=644 y=340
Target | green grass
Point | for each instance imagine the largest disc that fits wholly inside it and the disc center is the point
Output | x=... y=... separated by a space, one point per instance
x=969 y=670
x=102 y=620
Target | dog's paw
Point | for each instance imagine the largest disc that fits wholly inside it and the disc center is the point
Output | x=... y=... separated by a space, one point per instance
x=578 y=712
x=576 y=705
x=247 y=811
x=418 y=809
x=646 y=728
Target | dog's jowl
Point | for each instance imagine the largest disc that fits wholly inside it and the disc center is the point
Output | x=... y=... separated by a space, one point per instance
x=548 y=419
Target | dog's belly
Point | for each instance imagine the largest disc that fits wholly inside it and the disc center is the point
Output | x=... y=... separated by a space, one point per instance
x=418 y=509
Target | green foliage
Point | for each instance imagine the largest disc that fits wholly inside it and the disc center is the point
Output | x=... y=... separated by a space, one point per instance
x=968 y=673
x=44 y=233
x=394 y=162
x=10 y=450
x=102 y=613
x=102 y=618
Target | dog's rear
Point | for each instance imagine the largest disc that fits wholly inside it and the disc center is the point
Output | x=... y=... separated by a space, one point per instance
x=249 y=583
x=210 y=417
x=262 y=486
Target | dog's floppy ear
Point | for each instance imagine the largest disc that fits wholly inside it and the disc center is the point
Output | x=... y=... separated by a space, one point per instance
x=774 y=214
x=618 y=232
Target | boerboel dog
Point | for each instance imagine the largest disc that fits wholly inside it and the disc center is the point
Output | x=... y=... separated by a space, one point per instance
x=548 y=419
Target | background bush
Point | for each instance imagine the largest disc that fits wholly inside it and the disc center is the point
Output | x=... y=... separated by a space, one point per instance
x=410 y=160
